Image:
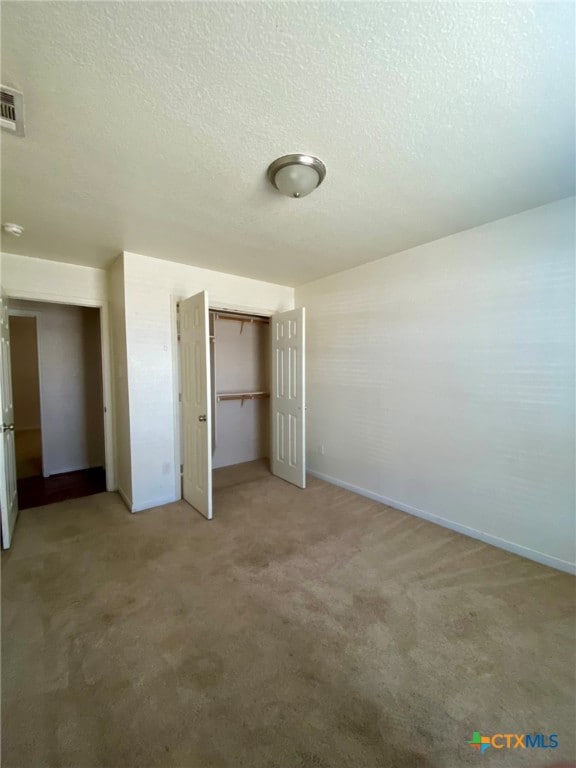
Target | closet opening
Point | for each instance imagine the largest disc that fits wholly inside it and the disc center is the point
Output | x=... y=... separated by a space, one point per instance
x=240 y=397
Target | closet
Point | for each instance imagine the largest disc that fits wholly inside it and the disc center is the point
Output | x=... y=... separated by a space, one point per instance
x=242 y=394
x=240 y=388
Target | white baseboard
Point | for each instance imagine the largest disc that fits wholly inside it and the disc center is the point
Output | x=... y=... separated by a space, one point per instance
x=154 y=503
x=487 y=538
x=145 y=505
x=66 y=470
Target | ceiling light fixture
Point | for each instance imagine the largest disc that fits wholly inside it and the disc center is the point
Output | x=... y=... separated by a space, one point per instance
x=13 y=229
x=296 y=175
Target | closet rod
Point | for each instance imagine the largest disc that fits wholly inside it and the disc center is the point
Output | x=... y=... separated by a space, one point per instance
x=241 y=396
x=240 y=318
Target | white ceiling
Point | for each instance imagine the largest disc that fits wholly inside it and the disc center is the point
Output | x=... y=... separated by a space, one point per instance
x=149 y=127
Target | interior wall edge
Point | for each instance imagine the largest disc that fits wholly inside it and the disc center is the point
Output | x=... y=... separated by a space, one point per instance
x=125 y=498
x=118 y=379
x=473 y=533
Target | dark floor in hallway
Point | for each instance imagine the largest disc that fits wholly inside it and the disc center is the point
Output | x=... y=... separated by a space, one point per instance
x=39 y=491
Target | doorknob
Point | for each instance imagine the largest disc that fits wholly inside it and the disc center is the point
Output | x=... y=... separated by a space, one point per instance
x=202 y=418
x=7 y=427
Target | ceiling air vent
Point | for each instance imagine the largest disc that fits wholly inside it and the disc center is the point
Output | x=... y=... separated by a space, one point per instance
x=11 y=111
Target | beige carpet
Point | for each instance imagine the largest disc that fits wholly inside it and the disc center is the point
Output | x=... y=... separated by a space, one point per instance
x=298 y=628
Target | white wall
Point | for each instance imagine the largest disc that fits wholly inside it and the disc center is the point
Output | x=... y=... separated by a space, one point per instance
x=25 y=277
x=441 y=380
x=152 y=287
x=242 y=364
x=70 y=385
x=120 y=392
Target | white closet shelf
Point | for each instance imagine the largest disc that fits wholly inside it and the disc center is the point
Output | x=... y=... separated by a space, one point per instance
x=239 y=317
x=220 y=396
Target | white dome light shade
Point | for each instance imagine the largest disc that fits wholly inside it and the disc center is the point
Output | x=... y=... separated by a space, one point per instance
x=296 y=175
x=296 y=180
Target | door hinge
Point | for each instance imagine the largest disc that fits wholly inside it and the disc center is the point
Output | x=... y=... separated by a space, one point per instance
x=181 y=469
x=180 y=397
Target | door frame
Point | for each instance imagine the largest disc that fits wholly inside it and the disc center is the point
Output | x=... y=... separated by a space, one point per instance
x=213 y=306
x=102 y=305
x=37 y=315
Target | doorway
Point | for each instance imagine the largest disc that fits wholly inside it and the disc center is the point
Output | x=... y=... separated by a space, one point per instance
x=55 y=353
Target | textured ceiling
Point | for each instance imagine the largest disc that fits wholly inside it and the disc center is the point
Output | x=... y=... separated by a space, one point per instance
x=149 y=127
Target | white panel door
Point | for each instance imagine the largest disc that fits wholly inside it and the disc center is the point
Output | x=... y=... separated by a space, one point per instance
x=196 y=411
x=288 y=397
x=8 y=489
